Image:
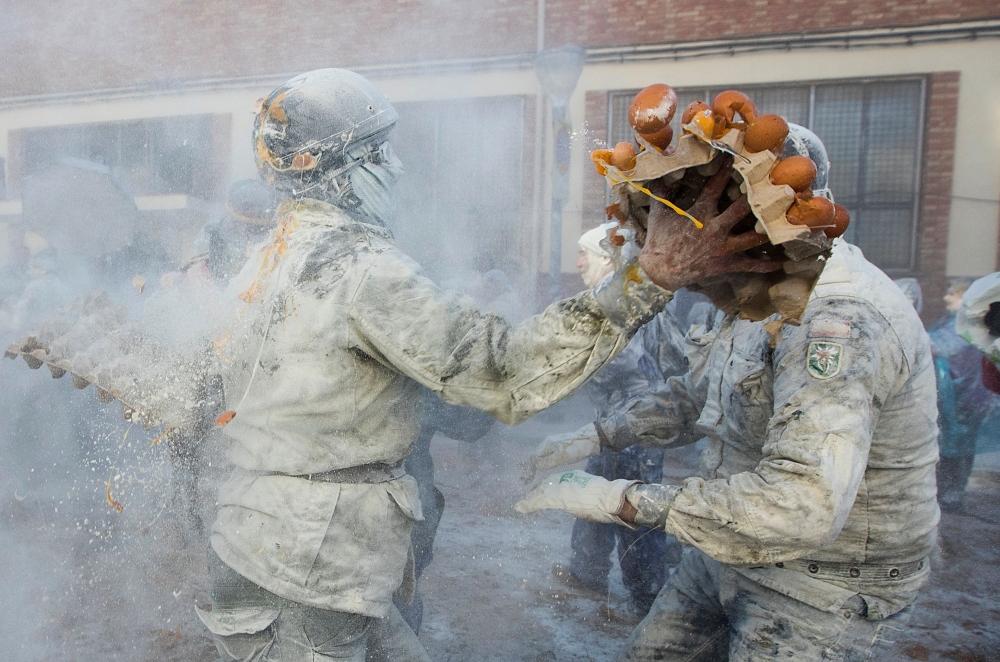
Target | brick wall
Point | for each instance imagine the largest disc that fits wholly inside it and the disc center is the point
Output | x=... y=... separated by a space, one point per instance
x=611 y=23
x=50 y=47
x=72 y=46
x=939 y=159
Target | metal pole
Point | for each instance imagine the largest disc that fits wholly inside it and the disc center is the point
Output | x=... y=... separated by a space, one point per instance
x=560 y=191
x=537 y=194
x=558 y=71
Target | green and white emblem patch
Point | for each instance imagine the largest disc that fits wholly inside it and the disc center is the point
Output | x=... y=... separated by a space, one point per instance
x=823 y=361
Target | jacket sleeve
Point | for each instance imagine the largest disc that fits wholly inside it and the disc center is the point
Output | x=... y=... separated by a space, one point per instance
x=828 y=393
x=401 y=319
x=664 y=339
x=629 y=375
x=665 y=417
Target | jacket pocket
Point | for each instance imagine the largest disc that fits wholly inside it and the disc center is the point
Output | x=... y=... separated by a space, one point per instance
x=275 y=523
x=745 y=377
x=750 y=395
x=405 y=494
x=241 y=634
x=240 y=620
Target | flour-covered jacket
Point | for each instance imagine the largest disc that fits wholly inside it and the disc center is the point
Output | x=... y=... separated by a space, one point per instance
x=821 y=449
x=335 y=332
x=655 y=353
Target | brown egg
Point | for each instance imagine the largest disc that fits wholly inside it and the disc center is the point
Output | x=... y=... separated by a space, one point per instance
x=727 y=104
x=816 y=212
x=601 y=159
x=652 y=108
x=841 y=219
x=692 y=110
x=661 y=139
x=623 y=156
x=799 y=172
x=766 y=132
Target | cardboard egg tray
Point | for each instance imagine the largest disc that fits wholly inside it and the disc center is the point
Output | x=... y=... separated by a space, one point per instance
x=93 y=340
x=756 y=296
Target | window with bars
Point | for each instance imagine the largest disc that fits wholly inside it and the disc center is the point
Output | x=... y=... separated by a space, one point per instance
x=872 y=130
x=155 y=156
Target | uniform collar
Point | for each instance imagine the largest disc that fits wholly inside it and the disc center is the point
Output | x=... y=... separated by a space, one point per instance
x=836 y=269
x=309 y=211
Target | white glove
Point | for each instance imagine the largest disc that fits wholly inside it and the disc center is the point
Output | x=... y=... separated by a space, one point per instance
x=581 y=495
x=558 y=450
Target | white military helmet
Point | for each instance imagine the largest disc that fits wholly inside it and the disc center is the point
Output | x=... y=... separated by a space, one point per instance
x=305 y=129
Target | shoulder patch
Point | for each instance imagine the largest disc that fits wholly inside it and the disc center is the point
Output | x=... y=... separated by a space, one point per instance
x=823 y=359
x=830 y=329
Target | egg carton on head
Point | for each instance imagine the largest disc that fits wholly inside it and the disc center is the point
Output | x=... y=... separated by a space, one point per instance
x=756 y=296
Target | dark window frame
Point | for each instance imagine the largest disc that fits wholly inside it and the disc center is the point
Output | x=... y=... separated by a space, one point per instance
x=147 y=171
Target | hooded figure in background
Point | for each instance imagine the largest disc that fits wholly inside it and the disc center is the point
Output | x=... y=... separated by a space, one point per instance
x=642 y=553
x=814 y=513
x=334 y=337
x=964 y=400
x=226 y=242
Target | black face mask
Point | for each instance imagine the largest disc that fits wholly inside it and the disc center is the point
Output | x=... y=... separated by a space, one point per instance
x=992 y=319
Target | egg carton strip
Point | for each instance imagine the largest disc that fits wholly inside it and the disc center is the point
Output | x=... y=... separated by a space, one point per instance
x=768 y=201
x=93 y=340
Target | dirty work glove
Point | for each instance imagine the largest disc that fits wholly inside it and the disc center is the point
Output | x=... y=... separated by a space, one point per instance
x=582 y=495
x=677 y=253
x=557 y=450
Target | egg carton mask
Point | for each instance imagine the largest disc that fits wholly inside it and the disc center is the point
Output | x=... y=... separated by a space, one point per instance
x=782 y=295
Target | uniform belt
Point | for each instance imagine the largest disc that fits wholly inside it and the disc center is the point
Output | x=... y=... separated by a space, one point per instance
x=857 y=571
x=375 y=472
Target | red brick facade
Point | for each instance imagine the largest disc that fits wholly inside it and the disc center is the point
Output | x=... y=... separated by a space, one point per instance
x=938 y=166
x=51 y=47
x=60 y=47
x=614 y=23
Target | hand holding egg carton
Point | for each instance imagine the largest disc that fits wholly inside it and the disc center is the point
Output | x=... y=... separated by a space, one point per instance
x=780 y=169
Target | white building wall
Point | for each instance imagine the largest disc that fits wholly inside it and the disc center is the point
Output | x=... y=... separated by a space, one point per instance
x=973 y=234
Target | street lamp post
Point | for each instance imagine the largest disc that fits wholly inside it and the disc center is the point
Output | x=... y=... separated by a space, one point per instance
x=558 y=70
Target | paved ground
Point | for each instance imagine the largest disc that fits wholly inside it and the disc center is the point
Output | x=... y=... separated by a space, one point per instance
x=80 y=582
x=490 y=594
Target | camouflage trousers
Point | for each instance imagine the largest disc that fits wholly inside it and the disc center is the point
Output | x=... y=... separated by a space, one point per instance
x=708 y=612
x=250 y=624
